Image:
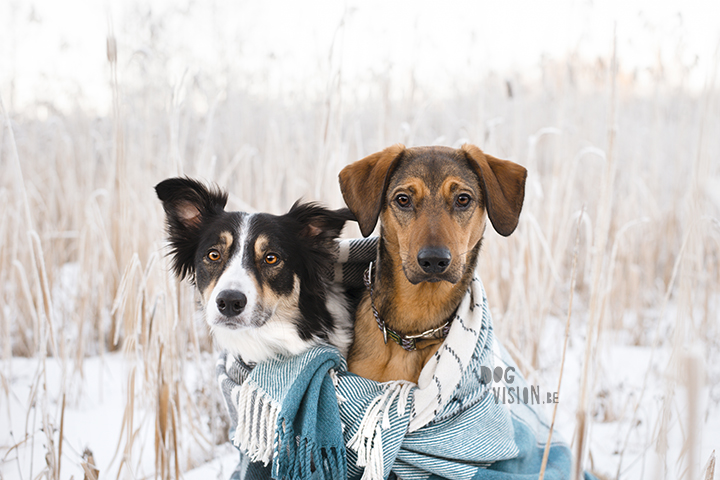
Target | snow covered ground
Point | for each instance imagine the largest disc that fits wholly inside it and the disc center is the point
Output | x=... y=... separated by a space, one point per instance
x=633 y=386
x=95 y=406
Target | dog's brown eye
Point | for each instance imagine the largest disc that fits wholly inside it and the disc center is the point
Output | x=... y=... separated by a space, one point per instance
x=463 y=200
x=271 y=258
x=402 y=200
x=213 y=255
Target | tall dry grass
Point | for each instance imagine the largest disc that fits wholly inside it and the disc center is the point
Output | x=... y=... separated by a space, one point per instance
x=83 y=271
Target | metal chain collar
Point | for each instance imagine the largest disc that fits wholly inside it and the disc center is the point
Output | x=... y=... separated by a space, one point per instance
x=408 y=342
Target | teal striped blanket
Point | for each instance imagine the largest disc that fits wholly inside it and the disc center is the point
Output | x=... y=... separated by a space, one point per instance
x=471 y=415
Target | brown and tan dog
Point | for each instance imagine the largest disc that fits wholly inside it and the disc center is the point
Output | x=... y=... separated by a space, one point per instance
x=432 y=204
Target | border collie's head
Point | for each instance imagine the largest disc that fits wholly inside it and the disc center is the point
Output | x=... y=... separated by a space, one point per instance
x=263 y=278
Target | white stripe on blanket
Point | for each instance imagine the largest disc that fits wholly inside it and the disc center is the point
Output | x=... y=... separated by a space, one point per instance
x=444 y=370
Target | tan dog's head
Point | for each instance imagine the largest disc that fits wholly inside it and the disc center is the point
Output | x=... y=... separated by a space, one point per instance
x=431 y=202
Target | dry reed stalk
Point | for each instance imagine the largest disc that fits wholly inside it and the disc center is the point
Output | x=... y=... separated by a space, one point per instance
x=694 y=373
x=126 y=428
x=15 y=158
x=204 y=155
x=43 y=288
x=614 y=253
x=686 y=361
x=546 y=453
x=597 y=296
x=90 y=470
x=119 y=304
x=16 y=447
x=145 y=313
x=50 y=470
x=682 y=368
x=5 y=327
x=33 y=398
x=548 y=281
x=710 y=467
x=25 y=288
x=120 y=190
x=176 y=455
x=29 y=223
x=161 y=424
x=62 y=435
x=653 y=349
x=163 y=434
x=175 y=151
x=543 y=276
x=565 y=218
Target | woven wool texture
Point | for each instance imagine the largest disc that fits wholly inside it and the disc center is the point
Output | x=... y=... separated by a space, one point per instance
x=451 y=425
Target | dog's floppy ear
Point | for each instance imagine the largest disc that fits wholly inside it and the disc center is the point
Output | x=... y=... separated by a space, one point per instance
x=319 y=223
x=187 y=204
x=504 y=188
x=364 y=182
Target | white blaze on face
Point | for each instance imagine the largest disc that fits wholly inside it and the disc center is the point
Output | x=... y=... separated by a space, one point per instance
x=235 y=277
x=266 y=326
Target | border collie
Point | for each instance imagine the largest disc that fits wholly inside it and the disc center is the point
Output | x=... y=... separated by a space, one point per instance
x=264 y=280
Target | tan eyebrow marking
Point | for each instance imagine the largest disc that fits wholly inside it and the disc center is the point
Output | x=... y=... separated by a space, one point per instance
x=227 y=239
x=260 y=245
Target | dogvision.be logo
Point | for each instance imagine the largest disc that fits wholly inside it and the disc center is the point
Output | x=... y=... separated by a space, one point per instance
x=506 y=393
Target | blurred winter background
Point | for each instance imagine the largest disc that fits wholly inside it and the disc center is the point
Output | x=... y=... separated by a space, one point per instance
x=612 y=106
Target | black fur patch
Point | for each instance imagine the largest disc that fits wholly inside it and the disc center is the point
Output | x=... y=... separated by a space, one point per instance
x=179 y=196
x=302 y=239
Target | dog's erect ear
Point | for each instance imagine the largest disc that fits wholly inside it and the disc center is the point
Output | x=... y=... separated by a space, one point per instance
x=317 y=222
x=504 y=188
x=187 y=203
x=363 y=185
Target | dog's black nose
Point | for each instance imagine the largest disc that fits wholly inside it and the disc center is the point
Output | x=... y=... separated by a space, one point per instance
x=231 y=302
x=434 y=259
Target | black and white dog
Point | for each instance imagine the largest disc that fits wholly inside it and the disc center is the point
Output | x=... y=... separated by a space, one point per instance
x=263 y=279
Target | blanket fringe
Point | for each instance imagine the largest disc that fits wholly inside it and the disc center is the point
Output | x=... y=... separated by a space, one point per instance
x=257 y=417
x=336 y=383
x=305 y=460
x=367 y=441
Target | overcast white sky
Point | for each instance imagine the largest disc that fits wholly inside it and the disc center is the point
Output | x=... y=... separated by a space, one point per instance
x=55 y=50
